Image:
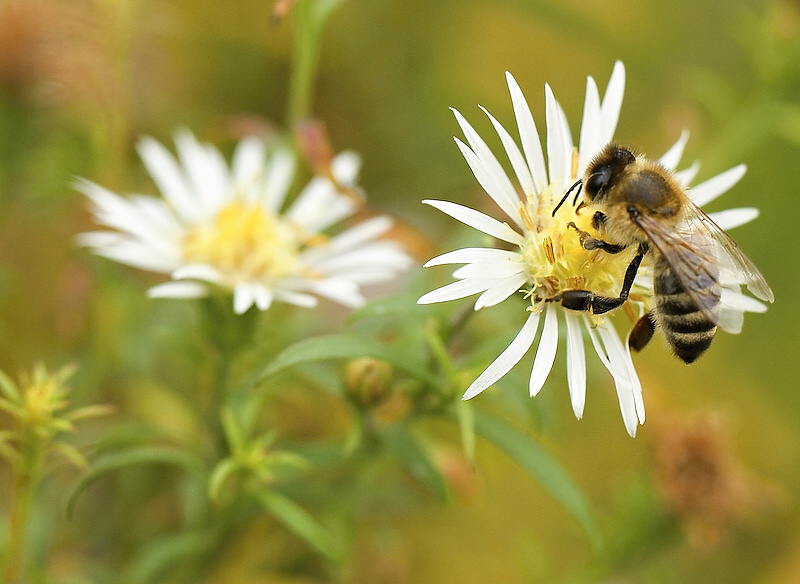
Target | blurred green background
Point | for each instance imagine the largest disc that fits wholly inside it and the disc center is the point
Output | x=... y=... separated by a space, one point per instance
x=81 y=80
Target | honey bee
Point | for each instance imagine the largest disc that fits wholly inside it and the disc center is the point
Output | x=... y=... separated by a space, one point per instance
x=636 y=201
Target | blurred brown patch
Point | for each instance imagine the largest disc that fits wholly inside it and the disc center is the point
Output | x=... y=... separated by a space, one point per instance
x=703 y=482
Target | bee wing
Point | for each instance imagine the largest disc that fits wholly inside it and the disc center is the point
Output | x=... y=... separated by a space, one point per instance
x=745 y=270
x=702 y=254
x=691 y=259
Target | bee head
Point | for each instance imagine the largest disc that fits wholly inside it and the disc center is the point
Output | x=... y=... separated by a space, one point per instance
x=604 y=171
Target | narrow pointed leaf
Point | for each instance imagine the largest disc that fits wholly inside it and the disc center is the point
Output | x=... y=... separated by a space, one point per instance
x=219 y=475
x=9 y=388
x=344 y=347
x=466 y=424
x=541 y=465
x=167 y=552
x=301 y=523
x=416 y=460
x=134 y=456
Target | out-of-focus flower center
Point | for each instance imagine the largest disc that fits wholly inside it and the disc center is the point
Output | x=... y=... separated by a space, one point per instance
x=554 y=258
x=246 y=243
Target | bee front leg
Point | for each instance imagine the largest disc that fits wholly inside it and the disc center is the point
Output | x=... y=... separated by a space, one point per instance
x=585 y=300
x=589 y=243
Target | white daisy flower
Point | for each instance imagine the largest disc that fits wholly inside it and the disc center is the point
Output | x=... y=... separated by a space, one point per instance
x=222 y=226
x=544 y=256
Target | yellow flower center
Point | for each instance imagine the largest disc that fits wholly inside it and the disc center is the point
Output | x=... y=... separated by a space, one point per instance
x=246 y=243
x=554 y=258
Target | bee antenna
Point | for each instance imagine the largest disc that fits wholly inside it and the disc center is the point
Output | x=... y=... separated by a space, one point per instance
x=579 y=184
x=580 y=188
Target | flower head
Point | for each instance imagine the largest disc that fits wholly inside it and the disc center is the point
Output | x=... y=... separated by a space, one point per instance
x=543 y=253
x=223 y=226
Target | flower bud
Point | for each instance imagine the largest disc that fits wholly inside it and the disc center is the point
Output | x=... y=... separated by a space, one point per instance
x=367 y=381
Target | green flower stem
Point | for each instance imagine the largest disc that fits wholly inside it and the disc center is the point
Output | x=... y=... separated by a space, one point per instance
x=440 y=354
x=26 y=477
x=310 y=17
x=228 y=334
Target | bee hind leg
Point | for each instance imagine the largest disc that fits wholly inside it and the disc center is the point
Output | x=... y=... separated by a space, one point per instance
x=641 y=332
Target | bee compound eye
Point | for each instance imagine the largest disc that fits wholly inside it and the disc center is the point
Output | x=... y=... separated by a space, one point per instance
x=597 y=182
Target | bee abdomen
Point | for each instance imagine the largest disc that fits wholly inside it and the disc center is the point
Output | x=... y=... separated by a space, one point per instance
x=687 y=329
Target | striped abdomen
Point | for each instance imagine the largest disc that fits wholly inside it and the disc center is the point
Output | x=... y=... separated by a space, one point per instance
x=687 y=329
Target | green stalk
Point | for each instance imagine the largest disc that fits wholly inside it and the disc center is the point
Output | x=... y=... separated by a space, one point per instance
x=310 y=17
x=25 y=480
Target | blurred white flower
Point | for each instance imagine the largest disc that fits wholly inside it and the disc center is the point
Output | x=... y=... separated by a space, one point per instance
x=543 y=256
x=223 y=226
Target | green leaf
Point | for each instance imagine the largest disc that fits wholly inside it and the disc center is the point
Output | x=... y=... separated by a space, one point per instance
x=301 y=523
x=92 y=411
x=166 y=552
x=9 y=406
x=7 y=451
x=233 y=432
x=417 y=461
x=541 y=465
x=403 y=305
x=133 y=456
x=9 y=388
x=345 y=347
x=72 y=454
x=466 y=424
x=220 y=473
x=323 y=9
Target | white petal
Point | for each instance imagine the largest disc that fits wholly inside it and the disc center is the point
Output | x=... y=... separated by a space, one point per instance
x=121 y=248
x=478 y=220
x=455 y=290
x=546 y=352
x=731 y=218
x=296 y=298
x=278 y=177
x=576 y=364
x=559 y=142
x=319 y=206
x=494 y=182
x=500 y=291
x=741 y=302
x=638 y=398
x=243 y=297
x=709 y=190
x=514 y=156
x=490 y=270
x=672 y=157
x=361 y=233
x=345 y=167
x=198 y=272
x=589 y=144
x=132 y=215
x=206 y=171
x=469 y=255
x=366 y=258
x=263 y=296
x=507 y=359
x=730 y=317
x=178 y=290
x=618 y=368
x=686 y=176
x=612 y=103
x=247 y=167
x=529 y=136
x=345 y=292
x=166 y=173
